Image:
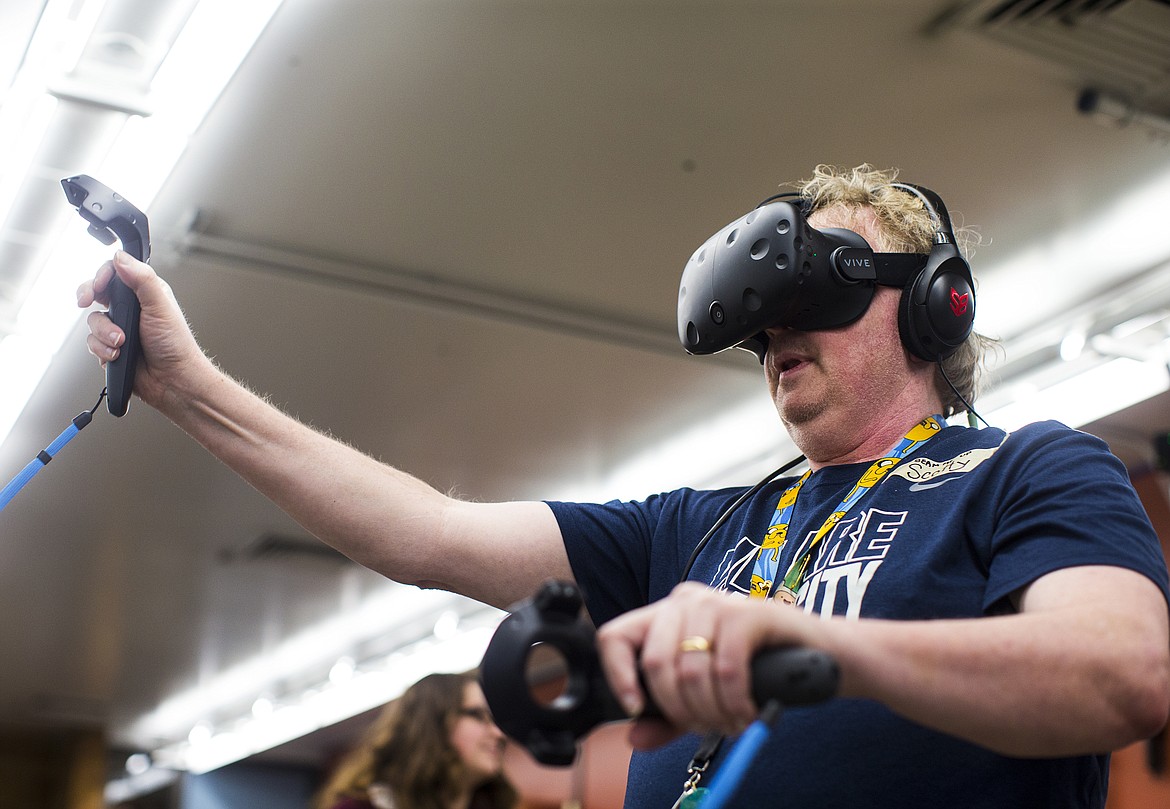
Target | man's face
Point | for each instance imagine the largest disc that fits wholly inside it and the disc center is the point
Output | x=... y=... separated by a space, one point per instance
x=838 y=378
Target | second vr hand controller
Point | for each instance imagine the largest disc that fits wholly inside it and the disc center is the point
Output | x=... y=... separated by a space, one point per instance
x=111 y=216
x=551 y=729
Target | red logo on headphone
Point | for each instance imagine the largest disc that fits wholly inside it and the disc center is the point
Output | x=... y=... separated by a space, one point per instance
x=959 y=302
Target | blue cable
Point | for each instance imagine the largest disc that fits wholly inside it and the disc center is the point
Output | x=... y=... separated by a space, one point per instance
x=44 y=456
x=739 y=760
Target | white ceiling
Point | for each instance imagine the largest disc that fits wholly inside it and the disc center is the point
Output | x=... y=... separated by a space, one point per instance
x=467 y=222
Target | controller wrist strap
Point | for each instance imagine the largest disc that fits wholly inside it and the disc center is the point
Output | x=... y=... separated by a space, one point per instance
x=692 y=793
x=44 y=456
x=741 y=756
x=739 y=761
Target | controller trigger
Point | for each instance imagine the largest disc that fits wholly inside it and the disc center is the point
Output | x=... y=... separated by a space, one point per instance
x=103 y=235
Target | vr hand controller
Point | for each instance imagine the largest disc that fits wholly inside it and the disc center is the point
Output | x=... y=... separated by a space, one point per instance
x=550 y=730
x=111 y=217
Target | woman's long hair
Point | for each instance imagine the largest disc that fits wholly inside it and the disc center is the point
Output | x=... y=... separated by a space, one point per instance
x=408 y=748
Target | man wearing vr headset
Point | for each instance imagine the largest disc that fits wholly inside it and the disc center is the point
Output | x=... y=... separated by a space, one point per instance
x=902 y=533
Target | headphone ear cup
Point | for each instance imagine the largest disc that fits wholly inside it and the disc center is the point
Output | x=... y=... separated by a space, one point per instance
x=937 y=310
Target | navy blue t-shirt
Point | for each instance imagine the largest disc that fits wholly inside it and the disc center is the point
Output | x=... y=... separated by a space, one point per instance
x=950 y=532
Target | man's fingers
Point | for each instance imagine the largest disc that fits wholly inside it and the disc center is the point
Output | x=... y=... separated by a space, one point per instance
x=619 y=661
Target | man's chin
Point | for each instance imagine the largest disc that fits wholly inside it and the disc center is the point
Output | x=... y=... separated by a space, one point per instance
x=796 y=414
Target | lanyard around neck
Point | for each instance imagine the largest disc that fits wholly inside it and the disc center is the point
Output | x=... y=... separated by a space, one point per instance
x=767 y=560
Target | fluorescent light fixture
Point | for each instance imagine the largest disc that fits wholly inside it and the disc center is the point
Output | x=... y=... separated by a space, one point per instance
x=392 y=607
x=121 y=790
x=1081 y=399
x=137 y=763
x=45 y=319
x=446 y=625
x=23 y=125
x=328 y=705
x=342 y=671
x=1011 y=291
x=24 y=362
x=1072 y=345
x=27 y=109
x=200 y=734
x=216 y=38
x=262 y=708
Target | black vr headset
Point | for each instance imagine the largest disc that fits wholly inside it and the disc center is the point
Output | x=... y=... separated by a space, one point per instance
x=770 y=269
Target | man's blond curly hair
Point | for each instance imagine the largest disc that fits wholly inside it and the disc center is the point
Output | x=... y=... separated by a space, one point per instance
x=905 y=226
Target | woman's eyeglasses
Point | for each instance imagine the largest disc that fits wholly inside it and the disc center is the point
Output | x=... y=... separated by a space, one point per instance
x=481 y=715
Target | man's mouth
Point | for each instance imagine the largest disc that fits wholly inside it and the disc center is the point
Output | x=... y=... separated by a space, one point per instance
x=787 y=363
x=787 y=355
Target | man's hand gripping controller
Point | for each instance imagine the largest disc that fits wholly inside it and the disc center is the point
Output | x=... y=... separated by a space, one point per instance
x=110 y=216
x=550 y=729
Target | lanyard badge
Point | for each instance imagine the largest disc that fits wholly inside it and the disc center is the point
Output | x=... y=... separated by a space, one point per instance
x=766 y=569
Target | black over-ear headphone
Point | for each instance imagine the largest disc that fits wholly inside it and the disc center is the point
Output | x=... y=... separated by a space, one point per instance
x=937 y=311
x=770 y=269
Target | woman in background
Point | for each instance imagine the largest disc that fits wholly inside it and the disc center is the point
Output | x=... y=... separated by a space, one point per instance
x=435 y=747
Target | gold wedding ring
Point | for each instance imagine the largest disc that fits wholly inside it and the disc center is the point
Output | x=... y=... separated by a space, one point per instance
x=694 y=643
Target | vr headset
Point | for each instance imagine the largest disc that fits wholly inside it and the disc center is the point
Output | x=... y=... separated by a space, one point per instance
x=769 y=269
